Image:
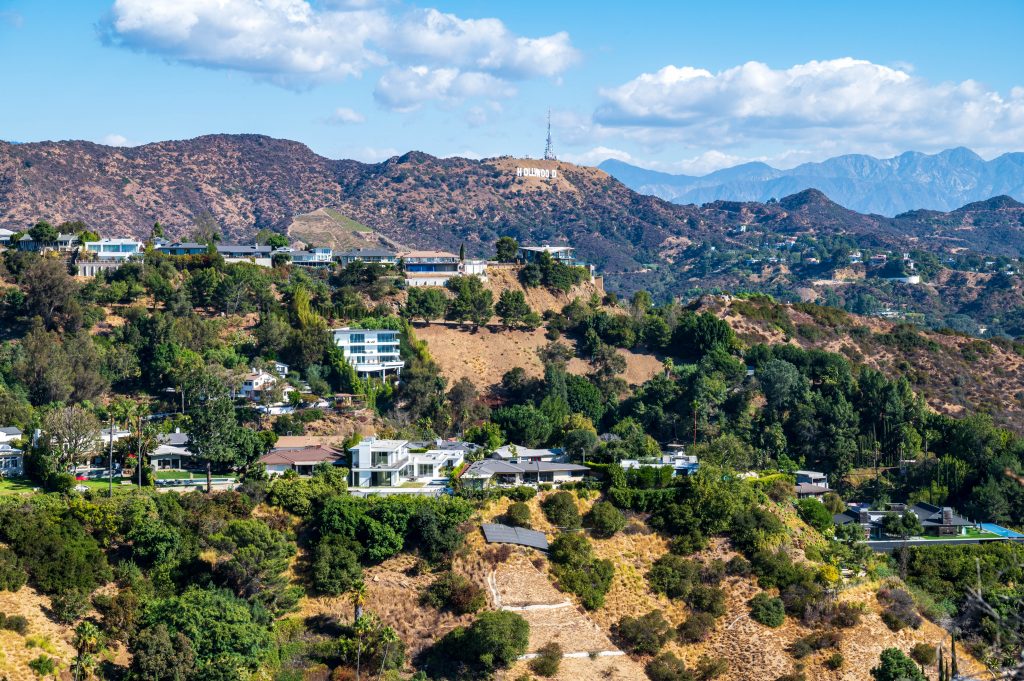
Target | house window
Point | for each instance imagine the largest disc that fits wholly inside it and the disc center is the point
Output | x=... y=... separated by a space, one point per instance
x=357 y=338
x=357 y=349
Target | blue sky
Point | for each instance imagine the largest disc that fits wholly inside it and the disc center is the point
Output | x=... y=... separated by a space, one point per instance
x=679 y=86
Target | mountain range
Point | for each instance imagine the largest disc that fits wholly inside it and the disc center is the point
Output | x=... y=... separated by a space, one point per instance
x=888 y=186
x=243 y=183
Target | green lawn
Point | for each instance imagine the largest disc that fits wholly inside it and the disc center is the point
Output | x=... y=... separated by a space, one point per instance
x=16 y=486
x=174 y=475
x=971 y=533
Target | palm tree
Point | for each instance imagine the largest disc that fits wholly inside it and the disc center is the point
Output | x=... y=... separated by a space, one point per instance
x=358 y=600
x=87 y=642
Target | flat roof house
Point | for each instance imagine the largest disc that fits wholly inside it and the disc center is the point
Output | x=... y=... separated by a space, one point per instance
x=302 y=460
x=371 y=352
x=429 y=268
x=390 y=463
x=313 y=257
x=510 y=452
x=113 y=249
x=379 y=256
x=811 y=485
x=5 y=237
x=681 y=464
x=12 y=461
x=182 y=248
x=65 y=243
x=938 y=521
x=488 y=472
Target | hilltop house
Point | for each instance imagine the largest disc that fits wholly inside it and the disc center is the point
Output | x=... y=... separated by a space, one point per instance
x=115 y=250
x=681 y=464
x=182 y=248
x=811 y=484
x=12 y=461
x=313 y=257
x=5 y=237
x=563 y=254
x=377 y=256
x=65 y=243
x=303 y=460
x=938 y=521
x=429 y=268
x=389 y=463
x=371 y=352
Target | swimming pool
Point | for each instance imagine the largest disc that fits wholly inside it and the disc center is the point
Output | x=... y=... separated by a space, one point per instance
x=1001 y=531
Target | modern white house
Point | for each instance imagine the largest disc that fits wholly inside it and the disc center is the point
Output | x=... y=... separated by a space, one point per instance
x=313 y=257
x=113 y=250
x=681 y=464
x=12 y=461
x=811 y=484
x=371 y=352
x=390 y=463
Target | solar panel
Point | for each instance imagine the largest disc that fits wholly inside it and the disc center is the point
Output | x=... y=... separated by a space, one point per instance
x=505 y=534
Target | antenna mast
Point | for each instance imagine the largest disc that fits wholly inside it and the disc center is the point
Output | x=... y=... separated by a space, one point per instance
x=549 y=148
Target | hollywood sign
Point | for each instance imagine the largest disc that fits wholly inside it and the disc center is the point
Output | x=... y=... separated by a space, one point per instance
x=543 y=173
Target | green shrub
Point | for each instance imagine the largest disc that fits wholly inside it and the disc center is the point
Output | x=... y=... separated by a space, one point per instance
x=697 y=627
x=43 y=666
x=835 y=661
x=518 y=515
x=454 y=592
x=644 y=635
x=709 y=599
x=560 y=509
x=818 y=640
x=549 y=658
x=605 y=519
x=668 y=667
x=767 y=610
x=494 y=641
x=69 y=605
x=738 y=566
x=673 y=575
x=12 y=573
x=590 y=582
x=15 y=623
x=814 y=513
x=336 y=567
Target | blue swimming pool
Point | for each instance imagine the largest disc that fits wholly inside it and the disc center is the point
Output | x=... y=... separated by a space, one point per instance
x=1001 y=531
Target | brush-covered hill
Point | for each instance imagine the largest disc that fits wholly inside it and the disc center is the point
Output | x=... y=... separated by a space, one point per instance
x=243 y=183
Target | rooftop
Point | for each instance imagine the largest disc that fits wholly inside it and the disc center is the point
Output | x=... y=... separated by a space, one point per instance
x=367 y=253
x=300 y=455
x=427 y=254
x=488 y=467
x=546 y=249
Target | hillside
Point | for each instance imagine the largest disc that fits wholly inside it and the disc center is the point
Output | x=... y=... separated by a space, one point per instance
x=887 y=186
x=247 y=182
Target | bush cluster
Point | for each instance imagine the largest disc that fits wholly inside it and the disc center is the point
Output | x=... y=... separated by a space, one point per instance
x=767 y=610
x=548 y=660
x=644 y=635
x=813 y=642
x=454 y=592
x=560 y=509
x=15 y=623
x=577 y=570
x=899 y=610
x=518 y=515
x=691 y=581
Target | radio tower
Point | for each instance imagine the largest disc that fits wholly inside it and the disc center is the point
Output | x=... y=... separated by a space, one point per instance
x=549 y=148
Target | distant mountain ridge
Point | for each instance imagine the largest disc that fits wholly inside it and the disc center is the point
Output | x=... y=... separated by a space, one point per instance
x=890 y=186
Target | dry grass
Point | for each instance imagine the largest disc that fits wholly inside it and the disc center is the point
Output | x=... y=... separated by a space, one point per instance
x=51 y=638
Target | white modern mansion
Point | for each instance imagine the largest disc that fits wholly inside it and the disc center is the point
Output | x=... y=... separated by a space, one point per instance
x=389 y=463
x=371 y=352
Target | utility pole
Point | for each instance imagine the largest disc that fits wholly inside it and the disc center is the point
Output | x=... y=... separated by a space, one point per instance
x=110 y=459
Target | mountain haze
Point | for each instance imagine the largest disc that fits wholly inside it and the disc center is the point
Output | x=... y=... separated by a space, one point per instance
x=863 y=183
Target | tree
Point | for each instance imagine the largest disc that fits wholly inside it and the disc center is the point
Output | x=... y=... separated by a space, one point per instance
x=258 y=557
x=71 y=433
x=512 y=308
x=894 y=665
x=523 y=424
x=549 y=658
x=487 y=435
x=43 y=232
x=426 y=303
x=159 y=656
x=605 y=520
x=87 y=643
x=506 y=249
x=212 y=434
x=51 y=294
x=767 y=610
x=903 y=525
x=496 y=639
x=336 y=567
x=518 y=515
x=472 y=301
x=560 y=509
x=644 y=635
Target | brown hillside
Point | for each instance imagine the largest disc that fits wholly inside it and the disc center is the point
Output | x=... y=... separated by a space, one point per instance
x=955 y=374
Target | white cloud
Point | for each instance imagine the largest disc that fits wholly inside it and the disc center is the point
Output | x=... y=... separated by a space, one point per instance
x=821 y=103
x=115 y=140
x=346 y=116
x=594 y=156
x=296 y=43
x=407 y=89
